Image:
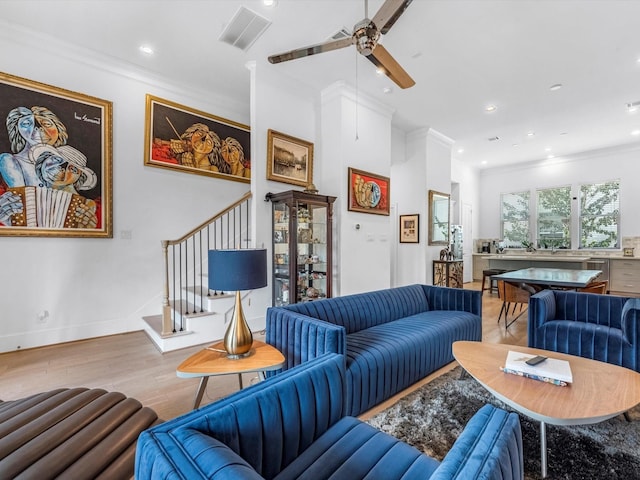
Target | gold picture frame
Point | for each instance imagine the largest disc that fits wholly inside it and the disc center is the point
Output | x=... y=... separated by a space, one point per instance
x=410 y=228
x=368 y=192
x=182 y=138
x=289 y=159
x=61 y=184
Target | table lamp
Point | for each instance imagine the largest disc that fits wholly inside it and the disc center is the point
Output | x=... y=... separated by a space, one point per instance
x=243 y=269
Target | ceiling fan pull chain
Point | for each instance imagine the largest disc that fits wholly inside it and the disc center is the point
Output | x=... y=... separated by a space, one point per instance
x=357 y=102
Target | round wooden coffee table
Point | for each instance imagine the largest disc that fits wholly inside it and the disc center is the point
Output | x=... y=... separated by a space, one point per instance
x=580 y=403
x=213 y=360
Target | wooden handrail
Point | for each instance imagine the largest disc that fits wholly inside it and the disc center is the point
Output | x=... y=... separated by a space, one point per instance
x=204 y=224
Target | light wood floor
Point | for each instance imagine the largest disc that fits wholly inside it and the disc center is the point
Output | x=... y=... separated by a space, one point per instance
x=131 y=364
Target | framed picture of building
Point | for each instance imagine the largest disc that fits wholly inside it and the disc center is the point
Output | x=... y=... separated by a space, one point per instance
x=55 y=161
x=409 y=228
x=289 y=159
x=368 y=192
x=184 y=139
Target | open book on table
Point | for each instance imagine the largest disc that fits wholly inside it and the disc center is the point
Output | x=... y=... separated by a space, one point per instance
x=551 y=370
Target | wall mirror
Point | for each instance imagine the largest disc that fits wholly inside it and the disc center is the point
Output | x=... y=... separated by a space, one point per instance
x=438 y=218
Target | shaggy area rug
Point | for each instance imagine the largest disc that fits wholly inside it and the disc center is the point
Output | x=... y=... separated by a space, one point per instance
x=432 y=417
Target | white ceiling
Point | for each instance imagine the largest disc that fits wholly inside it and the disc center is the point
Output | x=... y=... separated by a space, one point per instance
x=463 y=55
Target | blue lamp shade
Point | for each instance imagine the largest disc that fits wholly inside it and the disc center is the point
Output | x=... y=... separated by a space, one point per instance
x=243 y=269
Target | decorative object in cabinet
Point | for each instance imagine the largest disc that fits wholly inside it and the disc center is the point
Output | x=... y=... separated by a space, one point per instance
x=447 y=273
x=302 y=246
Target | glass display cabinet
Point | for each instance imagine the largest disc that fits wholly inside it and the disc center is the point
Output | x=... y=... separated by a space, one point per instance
x=302 y=246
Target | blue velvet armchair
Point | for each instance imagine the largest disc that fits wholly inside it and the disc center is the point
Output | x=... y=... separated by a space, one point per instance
x=600 y=327
x=292 y=426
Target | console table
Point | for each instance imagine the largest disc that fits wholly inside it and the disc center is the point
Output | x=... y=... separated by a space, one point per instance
x=447 y=273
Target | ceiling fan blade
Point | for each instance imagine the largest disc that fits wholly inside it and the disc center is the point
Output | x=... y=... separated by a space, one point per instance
x=381 y=58
x=389 y=12
x=311 y=50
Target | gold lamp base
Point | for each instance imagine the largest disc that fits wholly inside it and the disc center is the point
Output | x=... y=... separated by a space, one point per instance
x=238 y=338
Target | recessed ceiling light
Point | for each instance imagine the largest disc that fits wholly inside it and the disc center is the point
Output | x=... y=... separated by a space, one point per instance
x=483 y=162
x=269 y=3
x=146 y=49
x=461 y=150
x=387 y=90
x=635 y=132
x=556 y=86
x=490 y=108
x=548 y=149
x=515 y=144
x=551 y=156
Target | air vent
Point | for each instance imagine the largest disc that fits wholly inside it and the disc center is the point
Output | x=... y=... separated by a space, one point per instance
x=244 y=29
x=493 y=139
x=340 y=34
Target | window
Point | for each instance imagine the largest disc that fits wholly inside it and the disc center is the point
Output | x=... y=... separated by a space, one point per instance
x=554 y=218
x=600 y=215
x=515 y=218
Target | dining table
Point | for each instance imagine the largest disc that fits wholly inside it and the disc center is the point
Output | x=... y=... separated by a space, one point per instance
x=515 y=287
x=550 y=277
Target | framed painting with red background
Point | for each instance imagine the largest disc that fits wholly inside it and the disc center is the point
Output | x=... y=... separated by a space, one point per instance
x=191 y=141
x=368 y=192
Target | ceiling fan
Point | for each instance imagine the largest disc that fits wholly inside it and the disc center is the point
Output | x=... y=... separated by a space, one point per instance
x=365 y=36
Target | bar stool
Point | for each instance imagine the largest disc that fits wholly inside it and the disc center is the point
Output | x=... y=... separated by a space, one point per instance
x=493 y=284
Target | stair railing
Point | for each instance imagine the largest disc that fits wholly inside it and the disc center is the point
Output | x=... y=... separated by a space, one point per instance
x=186 y=260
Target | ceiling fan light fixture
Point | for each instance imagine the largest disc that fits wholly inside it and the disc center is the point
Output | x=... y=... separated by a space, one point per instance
x=366 y=36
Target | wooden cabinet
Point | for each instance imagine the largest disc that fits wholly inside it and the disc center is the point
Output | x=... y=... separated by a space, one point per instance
x=624 y=277
x=302 y=246
x=448 y=273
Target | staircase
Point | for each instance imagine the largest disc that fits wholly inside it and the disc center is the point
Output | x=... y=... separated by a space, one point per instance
x=191 y=313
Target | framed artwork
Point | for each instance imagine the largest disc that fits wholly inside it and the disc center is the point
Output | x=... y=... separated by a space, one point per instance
x=368 y=192
x=55 y=161
x=409 y=228
x=188 y=140
x=289 y=159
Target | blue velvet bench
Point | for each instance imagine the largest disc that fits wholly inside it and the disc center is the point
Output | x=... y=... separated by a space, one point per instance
x=600 y=327
x=391 y=338
x=293 y=426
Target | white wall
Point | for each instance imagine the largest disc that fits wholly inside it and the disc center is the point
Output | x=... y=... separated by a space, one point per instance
x=360 y=139
x=93 y=287
x=589 y=167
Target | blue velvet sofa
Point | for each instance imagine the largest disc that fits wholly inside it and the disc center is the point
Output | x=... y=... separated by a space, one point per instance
x=390 y=338
x=600 y=327
x=292 y=426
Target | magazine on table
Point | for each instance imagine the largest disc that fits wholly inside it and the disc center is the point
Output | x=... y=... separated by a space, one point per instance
x=551 y=370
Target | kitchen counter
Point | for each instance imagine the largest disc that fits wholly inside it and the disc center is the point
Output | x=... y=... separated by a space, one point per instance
x=557 y=257
x=557 y=260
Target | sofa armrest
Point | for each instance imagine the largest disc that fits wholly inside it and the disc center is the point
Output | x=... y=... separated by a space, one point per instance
x=267 y=424
x=445 y=298
x=631 y=320
x=542 y=308
x=301 y=338
x=489 y=447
